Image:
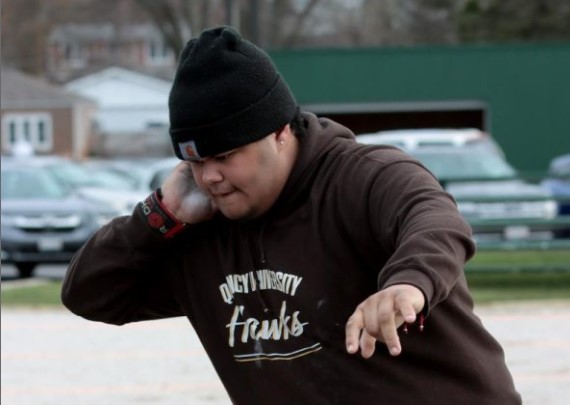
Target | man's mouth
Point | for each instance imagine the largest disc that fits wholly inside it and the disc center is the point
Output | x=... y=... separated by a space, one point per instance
x=222 y=193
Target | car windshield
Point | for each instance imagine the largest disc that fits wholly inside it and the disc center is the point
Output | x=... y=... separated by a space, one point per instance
x=468 y=165
x=79 y=176
x=30 y=184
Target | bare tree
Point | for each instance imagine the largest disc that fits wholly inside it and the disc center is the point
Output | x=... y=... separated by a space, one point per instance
x=23 y=28
x=26 y=24
x=172 y=19
x=285 y=23
x=409 y=22
x=296 y=30
x=510 y=20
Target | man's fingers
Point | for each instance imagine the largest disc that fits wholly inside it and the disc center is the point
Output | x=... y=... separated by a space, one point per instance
x=380 y=316
x=388 y=328
x=354 y=327
x=367 y=345
x=405 y=307
x=391 y=338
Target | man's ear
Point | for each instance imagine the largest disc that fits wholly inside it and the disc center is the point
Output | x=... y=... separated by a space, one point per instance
x=283 y=133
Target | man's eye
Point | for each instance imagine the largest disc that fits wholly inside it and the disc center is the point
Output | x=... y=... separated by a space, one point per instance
x=223 y=157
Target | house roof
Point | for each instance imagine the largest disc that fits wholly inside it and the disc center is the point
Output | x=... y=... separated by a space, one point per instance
x=117 y=87
x=85 y=33
x=21 y=91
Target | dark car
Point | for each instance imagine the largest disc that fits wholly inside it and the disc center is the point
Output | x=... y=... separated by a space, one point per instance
x=43 y=221
x=557 y=182
x=499 y=205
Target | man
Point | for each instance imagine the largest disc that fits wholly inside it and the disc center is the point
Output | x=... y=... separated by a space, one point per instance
x=315 y=270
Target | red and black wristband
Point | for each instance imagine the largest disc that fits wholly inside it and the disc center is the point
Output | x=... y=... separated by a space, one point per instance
x=157 y=217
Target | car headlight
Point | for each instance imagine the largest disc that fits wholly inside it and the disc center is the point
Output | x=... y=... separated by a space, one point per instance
x=9 y=220
x=550 y=209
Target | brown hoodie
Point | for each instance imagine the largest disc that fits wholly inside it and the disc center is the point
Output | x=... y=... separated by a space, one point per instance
x=270 y=298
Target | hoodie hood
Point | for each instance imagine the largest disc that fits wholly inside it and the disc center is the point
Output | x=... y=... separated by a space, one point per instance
x=322 y=135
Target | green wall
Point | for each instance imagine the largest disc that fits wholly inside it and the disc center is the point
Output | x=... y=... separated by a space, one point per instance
x=526 y=87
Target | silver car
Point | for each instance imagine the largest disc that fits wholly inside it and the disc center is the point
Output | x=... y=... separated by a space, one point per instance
x=43 y=221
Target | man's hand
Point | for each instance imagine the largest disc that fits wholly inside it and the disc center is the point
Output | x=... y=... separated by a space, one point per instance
x=379 y=316
x=184 y=199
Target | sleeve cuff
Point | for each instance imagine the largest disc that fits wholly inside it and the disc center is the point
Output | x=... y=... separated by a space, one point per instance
x=417 y=279
x=157 y=217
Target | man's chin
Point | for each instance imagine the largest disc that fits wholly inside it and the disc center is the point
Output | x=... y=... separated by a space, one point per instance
x=239 y=215
x=236 y=215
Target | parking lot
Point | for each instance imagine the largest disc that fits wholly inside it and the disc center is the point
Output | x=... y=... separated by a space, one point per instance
x=53 y=357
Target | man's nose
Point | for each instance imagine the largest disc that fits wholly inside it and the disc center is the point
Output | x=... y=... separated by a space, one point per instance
x=211 y=173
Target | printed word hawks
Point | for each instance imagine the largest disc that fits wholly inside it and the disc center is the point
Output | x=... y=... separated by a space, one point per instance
x=268 y=329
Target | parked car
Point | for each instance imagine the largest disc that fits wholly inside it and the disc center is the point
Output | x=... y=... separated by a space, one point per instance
x=95 y=184
x=557 y=182
x=43 y=221
x=144 y=175
x=472 y=167
x=414 y=139
x=130 y=169
x=156 y=173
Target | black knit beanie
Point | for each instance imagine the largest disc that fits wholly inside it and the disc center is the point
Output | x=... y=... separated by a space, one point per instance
x=226 y=93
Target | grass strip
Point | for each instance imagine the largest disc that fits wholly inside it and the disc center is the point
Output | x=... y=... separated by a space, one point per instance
x=38 y=294
x=520 y=260
x=512 y=286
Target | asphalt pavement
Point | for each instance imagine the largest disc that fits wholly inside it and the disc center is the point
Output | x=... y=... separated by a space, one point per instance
x=50 y=356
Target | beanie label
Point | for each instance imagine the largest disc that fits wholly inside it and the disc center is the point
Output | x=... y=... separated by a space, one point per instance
x=188 y=150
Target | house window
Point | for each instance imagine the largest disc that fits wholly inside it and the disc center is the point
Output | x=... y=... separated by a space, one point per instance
x=42 y=132
x=26 y=124
x=73 y=55
x=33 y=128
x=159 y=54
x=12 y=130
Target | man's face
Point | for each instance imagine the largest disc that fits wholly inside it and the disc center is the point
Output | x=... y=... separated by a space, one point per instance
x=244 y=182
